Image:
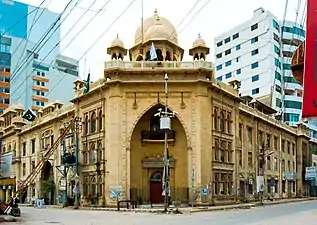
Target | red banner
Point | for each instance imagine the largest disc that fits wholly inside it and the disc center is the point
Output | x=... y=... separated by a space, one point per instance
x=310 y=66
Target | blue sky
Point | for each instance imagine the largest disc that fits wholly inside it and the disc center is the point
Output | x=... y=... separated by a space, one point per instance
x=217 y=17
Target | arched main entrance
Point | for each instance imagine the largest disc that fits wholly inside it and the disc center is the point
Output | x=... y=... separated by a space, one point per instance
x=47 y=183
x=146 y=159
x=156 y=188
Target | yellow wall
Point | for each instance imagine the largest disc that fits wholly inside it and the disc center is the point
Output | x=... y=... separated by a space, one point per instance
x=140 y=177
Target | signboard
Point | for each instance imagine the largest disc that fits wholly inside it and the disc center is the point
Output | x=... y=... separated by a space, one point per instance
x=310 y=173
x=115 y=192
x=310 y=66
x=6 y=165
x=63 y=184
x=259 y=184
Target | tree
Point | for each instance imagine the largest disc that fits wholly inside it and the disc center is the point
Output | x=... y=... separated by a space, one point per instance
x=48 y=186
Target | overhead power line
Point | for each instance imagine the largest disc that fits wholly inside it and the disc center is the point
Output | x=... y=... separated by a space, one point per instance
x=35 y=48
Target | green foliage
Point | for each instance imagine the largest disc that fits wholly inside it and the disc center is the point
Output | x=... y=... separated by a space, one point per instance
x=48 y=186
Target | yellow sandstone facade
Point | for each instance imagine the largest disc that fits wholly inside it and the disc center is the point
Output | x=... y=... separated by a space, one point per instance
x=225 y=139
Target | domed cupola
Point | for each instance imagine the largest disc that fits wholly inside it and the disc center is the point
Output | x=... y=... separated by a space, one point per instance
x=116 y=49
x=161 y=32
x=199 y=49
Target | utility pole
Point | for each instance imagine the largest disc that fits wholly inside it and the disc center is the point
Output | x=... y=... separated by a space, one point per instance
x=165 y=124
x=64 y=174
x=76 y=188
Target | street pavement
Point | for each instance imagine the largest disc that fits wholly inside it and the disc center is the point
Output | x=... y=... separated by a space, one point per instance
x=290 y=214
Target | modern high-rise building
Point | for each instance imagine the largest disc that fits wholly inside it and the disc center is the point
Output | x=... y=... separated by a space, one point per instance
x=29 y=67
x=257 y=53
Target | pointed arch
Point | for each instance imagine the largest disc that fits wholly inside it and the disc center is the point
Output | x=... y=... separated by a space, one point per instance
x=139 y=58
x=196 y=57
x=148 y=109
x=93 y=123
x=86 y=125
x=114 y=56
x=222 y=122
x=202 y=56
x=100 y=120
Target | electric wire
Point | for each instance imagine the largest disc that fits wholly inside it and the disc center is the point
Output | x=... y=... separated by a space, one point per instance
x=85 y=26
x=51 y=28
x=57 y=44
x=35 y=20
x=187 y=14
x=44 y=36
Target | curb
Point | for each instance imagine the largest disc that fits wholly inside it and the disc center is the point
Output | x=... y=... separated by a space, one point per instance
x=182 y=210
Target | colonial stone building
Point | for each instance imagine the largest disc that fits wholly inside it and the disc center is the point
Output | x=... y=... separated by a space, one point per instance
x=218 y=139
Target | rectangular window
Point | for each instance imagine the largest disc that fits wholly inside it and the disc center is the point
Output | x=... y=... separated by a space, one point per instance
x=38 y=83
x=238 y=71
x=33 y=146
x=37 y=103
x=42 y=84
x=227 y=52
x=277 y=50
x=276 y=37
x=219 y=67
x=228 y=63
x=219 y=44
x=37 y=92
x=254 y=40
x=255 y=91
x=278 y=76
x=255 y=52
x=276 y=25
x=238 y=47
x=238 y=59
x=254 y=27
x=254 y=65
x=219 y=78
x=278 y=89
x=38 y=73
x=235 y=36
x=278 y=103
x=23 y=169
x=277 y=63
x=286 y=66
x=42 y=93
x=227 y=40
x=291 y=117
x=219 y=55
x=255 y=78
x=228 y=75
x=24 y=149
x=293 y=104
x=43 y=74
x=42 y=103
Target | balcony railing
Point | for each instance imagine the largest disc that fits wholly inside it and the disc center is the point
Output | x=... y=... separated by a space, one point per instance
x=158 y=135
x=156 y=64
x=18 y=120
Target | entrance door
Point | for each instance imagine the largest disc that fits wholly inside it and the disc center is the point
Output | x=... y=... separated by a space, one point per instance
x=156 y=188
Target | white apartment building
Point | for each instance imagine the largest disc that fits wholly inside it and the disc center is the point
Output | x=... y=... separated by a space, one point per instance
x=251 y=53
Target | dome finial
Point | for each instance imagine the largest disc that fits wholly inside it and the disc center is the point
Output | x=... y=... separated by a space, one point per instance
x=155 y=11
x=117 y=36
x=199 y=36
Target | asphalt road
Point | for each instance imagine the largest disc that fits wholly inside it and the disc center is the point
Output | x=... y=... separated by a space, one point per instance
x=290 y=214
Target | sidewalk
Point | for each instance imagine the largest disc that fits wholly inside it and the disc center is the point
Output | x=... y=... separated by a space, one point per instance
x=187 y=210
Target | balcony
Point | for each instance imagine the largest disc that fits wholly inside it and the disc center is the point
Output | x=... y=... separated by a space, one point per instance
x=18 y=121
x=156 y=64
x=157 y=136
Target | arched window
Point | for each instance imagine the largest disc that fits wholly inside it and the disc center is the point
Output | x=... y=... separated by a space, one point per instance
x=139 y=58
x=114 y=56
x=100 y=182
x=86 y=187
x=215 y=119
x=93 y=122
x=120 y=57
x=92 y=152
x=202 y=56
x=9 y=148
x=148 y=56
x=159 y=55
x=93 y=186
x=222 y=122
x=3 y=149
x=100 y=120
x=229 y=123
x=86 y=125
x=196 y=57
x=168 y=56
